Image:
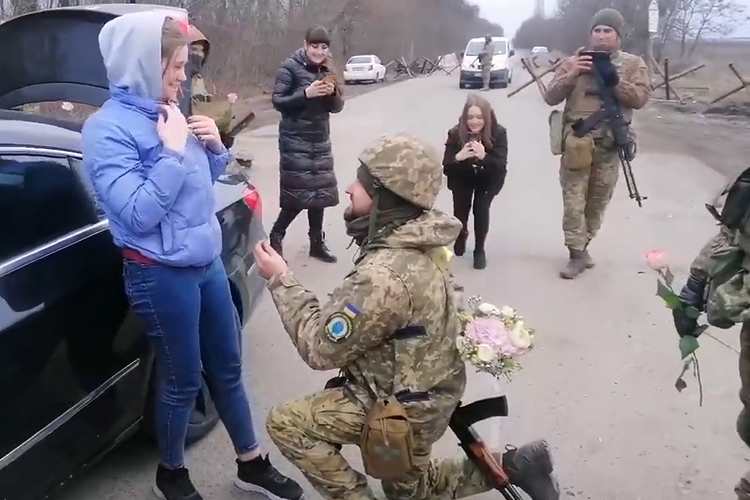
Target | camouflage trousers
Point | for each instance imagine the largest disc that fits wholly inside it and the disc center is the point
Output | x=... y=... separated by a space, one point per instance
x=586 y=193
x=307 y=432
x=486 y=76
x=742 y=489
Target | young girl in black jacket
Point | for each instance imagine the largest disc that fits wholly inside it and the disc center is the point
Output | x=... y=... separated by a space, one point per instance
x=474 y=162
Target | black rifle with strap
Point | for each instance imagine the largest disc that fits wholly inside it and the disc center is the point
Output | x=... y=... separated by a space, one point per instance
x=612 y=114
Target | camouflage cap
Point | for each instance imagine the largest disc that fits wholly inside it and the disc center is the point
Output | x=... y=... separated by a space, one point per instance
x=406 y=166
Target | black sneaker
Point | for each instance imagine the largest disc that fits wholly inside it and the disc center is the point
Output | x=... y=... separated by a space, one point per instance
x=259 y=476
x=174 y=484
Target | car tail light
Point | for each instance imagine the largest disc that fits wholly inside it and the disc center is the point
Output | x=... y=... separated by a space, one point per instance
x=251 y=197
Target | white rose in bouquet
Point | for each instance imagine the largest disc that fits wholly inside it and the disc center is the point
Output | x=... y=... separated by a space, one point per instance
x=519 y=336
x=487 y=309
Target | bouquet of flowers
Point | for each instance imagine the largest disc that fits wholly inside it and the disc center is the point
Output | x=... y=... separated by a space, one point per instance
x=492 y=339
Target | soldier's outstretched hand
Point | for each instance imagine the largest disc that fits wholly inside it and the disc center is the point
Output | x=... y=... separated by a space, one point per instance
x=270 y=263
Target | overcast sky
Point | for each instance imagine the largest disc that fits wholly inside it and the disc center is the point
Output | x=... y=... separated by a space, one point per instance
x=511 y=13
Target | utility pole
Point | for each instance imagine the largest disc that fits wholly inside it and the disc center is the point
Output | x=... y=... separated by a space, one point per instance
x=538 y=8
x=653 y=29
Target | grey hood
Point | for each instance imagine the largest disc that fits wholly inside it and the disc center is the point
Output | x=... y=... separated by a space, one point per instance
x=131 y=49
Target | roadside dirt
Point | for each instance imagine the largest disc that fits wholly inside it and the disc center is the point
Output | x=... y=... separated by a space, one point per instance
x=721 y=142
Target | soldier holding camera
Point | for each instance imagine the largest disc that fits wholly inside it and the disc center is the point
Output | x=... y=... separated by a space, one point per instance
x=589 y=166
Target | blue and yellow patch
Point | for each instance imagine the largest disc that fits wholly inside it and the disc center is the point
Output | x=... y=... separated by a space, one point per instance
x=351 y=311
x=338 y=327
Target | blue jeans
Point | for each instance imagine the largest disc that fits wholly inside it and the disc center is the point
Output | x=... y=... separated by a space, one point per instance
x=191 y=321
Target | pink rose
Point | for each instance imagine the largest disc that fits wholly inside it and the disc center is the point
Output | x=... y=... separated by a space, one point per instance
x=232 y=98
x=656 y=260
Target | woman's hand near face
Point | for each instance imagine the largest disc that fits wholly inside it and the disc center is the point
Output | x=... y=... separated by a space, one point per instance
x=316 y=89
x=478 y=149
x=465 y=153
x=172 y=128
x=205 y=129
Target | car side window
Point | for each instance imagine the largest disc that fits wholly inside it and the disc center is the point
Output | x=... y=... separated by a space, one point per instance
x=41 y=199
x=77 y=165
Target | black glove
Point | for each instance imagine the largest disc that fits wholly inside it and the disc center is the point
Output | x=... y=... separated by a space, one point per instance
x=691 y=295
x=607 y=71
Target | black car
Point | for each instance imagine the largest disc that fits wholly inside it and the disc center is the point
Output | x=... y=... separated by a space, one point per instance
x=76 y=374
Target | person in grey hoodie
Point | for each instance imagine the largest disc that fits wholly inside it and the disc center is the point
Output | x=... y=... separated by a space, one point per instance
x=153 y=172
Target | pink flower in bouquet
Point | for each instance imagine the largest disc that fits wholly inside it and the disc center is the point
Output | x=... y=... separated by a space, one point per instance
x=656 y=260
x=493 y=333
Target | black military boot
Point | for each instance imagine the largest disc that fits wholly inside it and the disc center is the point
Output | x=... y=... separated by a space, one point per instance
x=459 y=247
x=319 y=249
x=530 y=468
x=174 y=484
x=575 y=266
x=276 y=240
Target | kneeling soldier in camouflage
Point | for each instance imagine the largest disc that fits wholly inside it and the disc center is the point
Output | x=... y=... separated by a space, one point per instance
x=391 y=329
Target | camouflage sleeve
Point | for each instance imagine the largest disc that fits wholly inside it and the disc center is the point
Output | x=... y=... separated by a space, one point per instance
x=363 y=312
x=704 y=263
x=562 y=84
x=634 y=89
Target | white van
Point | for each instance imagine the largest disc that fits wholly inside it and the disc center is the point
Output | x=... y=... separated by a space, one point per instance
x=501 y=74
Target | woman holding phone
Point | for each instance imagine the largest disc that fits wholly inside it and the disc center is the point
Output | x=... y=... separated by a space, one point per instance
x=474 y=162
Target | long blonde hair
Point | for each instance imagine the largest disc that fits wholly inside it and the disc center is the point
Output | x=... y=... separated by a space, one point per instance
x=488 y=114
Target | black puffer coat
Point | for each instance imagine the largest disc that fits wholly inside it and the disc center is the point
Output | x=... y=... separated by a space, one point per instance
x=307 y=179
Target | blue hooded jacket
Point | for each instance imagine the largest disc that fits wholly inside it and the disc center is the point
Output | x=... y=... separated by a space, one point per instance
x=158 y=202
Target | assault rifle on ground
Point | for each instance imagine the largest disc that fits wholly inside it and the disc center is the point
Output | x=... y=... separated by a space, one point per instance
x=461 y=422
x=612 y=114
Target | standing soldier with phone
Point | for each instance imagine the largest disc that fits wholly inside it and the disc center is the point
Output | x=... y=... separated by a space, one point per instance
x=589 y=166
x=485 y=61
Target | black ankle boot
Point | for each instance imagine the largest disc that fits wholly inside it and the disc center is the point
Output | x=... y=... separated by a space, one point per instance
x=459 y=247
x=530 y=468
x=319 y=250
x=276 y=240
x=480 y=259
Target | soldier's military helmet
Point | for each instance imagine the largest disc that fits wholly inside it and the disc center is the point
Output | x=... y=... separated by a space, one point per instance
x=406 y=166
x=196 y=36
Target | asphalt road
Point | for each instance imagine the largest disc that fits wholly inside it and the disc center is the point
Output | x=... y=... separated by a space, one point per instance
x=599 y=386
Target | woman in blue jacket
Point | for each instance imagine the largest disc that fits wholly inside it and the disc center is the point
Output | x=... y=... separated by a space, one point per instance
x=153 y=173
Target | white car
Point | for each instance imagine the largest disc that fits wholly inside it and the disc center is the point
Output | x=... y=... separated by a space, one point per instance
x=539 y=50
x=364 y=68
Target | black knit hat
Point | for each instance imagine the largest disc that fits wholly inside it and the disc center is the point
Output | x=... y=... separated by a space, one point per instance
x=318 y=34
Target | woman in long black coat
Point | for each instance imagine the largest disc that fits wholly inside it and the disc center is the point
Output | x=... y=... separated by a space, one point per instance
x=306 y=100
x=475 y=161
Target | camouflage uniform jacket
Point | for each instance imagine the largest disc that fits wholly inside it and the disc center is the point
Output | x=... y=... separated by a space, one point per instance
x=205 y=104
x=581 y=94
x=485 y=57
x=399 y=286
